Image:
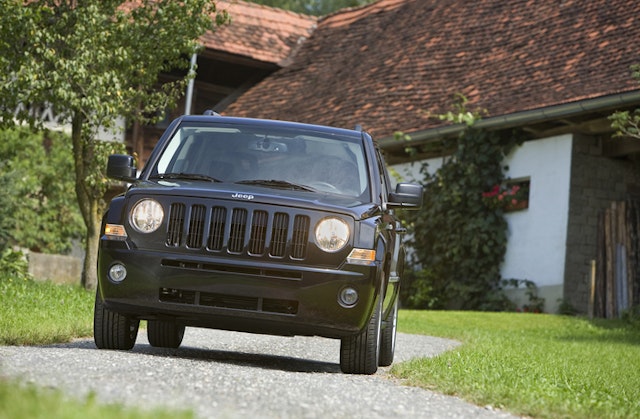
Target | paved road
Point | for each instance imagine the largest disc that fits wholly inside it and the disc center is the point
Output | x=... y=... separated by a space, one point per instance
x=222 y=374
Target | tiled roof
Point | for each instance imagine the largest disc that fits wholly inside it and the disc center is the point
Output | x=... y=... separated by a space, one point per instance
x=390 y=65
x=259 y=32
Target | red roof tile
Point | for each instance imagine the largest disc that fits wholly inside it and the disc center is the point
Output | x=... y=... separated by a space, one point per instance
x=259 y=32
x=390 y=65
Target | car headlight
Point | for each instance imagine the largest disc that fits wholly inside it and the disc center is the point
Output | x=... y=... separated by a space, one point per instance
x=332 y=234
x=147 y=215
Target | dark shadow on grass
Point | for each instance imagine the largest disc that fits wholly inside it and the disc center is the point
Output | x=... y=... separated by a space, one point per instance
x=606 y=331
x=264 y=361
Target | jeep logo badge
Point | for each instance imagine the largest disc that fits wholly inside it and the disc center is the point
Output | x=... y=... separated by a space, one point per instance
x=242 y=196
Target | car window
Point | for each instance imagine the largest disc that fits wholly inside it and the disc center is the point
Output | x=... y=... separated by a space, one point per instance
x=322 y=162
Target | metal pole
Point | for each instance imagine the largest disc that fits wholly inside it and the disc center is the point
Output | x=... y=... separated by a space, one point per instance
x=189 y=98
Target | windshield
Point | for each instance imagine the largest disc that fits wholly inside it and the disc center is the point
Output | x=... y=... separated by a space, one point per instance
x=286 y=159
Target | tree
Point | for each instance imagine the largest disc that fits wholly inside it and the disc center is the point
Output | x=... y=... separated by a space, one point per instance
x=312 y=7
x=94 y=61
x=36 y=209
x=627 y=123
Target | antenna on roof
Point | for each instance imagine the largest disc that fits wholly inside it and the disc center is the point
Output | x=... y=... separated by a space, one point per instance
x=209 y=112
x=358 y=127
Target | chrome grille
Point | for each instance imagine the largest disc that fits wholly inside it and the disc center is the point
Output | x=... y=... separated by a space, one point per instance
x=238 y=230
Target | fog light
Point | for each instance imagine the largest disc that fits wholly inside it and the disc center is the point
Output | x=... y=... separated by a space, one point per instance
x=117 y=272
x=348 y=297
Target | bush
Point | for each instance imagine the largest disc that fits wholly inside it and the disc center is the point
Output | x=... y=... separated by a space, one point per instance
x=14 y=266
x=459 y=237
x=38 y=206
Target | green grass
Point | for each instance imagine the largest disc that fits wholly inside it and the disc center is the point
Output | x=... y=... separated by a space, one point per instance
x=35 y=313
x=30 y=402
x=38 y=313
x=531 y=364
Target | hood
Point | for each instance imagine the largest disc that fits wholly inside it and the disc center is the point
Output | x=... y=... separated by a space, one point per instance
x=322 y=201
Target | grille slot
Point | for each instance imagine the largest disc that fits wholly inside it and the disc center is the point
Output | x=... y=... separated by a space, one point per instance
x=228 y=301
x=196 y=226
x=238 y=230
x=216 y=229
x=300 y=237
x=279 y=234
x=258 y=232
x=171 y=295
x=238 y=227
x=176 y=224
x=234 y=302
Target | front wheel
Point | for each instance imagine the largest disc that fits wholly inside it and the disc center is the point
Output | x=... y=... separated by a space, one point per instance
x=112 y=330
x=359 y=354
x=164 y=334
x=388 y=337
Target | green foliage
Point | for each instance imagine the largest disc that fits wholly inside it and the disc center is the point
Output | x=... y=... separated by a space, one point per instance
x=459 y=239
x=417 y=289
x=536 y=303
x=96 y=155
x=312 y=7
x=97 y=60
x=38 y=206
x=627 y=123
x=14 y=267
x=533 y=365
x=93 y=62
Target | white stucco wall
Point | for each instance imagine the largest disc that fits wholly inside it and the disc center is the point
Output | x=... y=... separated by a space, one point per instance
x=537 y=236
x=51 y=121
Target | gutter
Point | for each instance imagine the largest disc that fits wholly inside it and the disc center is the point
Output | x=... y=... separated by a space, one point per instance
x=189 y=95
x=566 y=110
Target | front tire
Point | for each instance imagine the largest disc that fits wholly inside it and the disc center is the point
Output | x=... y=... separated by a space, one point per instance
x=388 y=338
x=359 y=354
x=112 y=330
x=164 y=334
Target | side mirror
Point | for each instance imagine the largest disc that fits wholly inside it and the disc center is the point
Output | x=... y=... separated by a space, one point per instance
x=121 y=167
x=407 y=195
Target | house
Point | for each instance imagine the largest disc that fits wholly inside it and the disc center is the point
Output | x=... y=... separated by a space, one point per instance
x=554 y=68
x=258 y=41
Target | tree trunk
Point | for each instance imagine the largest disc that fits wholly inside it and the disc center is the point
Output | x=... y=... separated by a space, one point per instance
x=87 y=201
x=89 y=267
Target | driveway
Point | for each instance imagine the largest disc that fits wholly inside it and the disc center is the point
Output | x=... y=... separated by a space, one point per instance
x=220 y=374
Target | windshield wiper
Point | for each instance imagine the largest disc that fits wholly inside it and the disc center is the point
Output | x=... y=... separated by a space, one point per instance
x=186 y=176
x=281 y=184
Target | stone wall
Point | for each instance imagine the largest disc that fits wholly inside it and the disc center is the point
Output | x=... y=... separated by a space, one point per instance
x=60 y=269
x=596 y=181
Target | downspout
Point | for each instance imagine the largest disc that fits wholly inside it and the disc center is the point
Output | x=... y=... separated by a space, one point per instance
x=189 y=97
x=522 y=118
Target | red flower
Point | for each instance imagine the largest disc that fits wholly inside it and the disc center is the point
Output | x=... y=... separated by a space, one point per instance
x=493 y=192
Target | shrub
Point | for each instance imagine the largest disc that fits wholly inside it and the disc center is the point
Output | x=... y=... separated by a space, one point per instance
x=459 y=237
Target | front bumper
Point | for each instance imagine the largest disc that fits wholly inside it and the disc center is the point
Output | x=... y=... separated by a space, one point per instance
x=241 y=295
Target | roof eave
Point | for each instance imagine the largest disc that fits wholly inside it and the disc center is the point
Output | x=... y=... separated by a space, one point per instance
x=598 y=104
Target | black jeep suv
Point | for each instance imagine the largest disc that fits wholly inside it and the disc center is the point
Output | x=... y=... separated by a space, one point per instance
x=258 y=226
